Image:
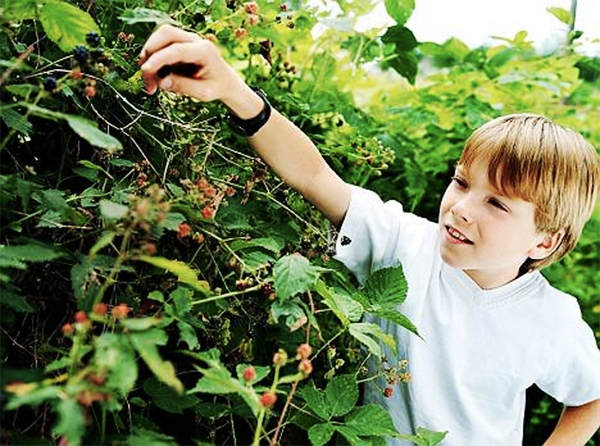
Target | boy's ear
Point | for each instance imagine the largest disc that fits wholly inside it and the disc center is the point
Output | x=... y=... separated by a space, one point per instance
x=547 y=245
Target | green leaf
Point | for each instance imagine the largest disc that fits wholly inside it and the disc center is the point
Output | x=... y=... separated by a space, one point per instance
x=10 y=299
x=261 y=372
x=141 y=323
x=294 y=274
x=33 y=397
x=183 y=272
x=268 y=243
x=343 y=306
x=156 y=295
x=65 y=24
x=426 y=437
x=145 y=343
x=115 y=355
x=363 y=331
x=182 y=298
x=501 y=58
x=561 y=14
x=144 y=437
x=385 y=288
x=89 y=131
x=166 y=398
x=93 y=166
x=27 y=253
x=294 y=314
x=105 y=239
x=112 y=211
x=400 y=36
x=400 y=10
x=146 y=15
x=71 y=423
x=16 y=120
x=320 y=434
x=371 y=420
x=19 y=9
x=350 y=435
x=188 y=335
x=316 y=401
x=406 y=65
x=398 y=318
x=172 y=221
x=342 y=394
x=218 y=380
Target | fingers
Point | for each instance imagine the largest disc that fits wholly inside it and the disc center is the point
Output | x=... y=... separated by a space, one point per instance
x=162 y=37
x=185 y=58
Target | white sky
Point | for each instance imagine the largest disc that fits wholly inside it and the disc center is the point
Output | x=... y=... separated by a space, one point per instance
x=475 y=21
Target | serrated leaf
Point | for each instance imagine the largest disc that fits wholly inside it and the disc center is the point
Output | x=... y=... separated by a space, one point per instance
x=65 y=24
x=261 y=372
x=188 y=335
x=350 y=434
x=166 y=398
x=400 y=10
x=145 y=343
x=29 y=253
x=111 y=210
x=316 y=401
x=398 y=318
x=371 y=420
x=405 y=63
x=385 y=288
x=93 y=166
x=218 y=380
x=89 y=131
x=183 y=272
x=561 y=14
x=19 y=10
x=425 y=437
x=16 y=120
x=172 y=221
x=10 y=299
x=294 y=314
x=71 y=422
x=105 y=239
x=294 y=274
x=268 y=243
x=141 y=323
x=144 y=437
x=115 y=355
x=343 y=306
x=365 y=331
x=320 y=434
x=182 y=298
x=342 y=394
x=146 y=15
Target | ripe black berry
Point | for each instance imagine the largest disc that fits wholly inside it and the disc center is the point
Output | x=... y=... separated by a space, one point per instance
x=93 y=39
x=49 y=83
x=97 y=54
x=81 y=54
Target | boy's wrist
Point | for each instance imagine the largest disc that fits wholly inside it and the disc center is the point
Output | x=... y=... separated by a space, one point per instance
x=243 y=102
x=248 y=127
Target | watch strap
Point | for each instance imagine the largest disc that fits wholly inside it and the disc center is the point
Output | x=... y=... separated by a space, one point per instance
x=248 y=127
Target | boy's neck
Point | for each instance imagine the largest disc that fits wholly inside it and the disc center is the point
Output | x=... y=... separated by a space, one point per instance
x=487 y=280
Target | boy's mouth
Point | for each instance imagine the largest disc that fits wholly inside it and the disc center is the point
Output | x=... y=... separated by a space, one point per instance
x=456 y=235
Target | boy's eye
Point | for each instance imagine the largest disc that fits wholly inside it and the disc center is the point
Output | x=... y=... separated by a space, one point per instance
x=497 y=204
x=459 y=181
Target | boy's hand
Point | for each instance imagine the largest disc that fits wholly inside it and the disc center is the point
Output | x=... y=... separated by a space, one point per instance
x=183 y=62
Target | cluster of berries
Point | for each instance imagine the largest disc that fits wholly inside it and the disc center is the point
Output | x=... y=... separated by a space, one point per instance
x=83 y=320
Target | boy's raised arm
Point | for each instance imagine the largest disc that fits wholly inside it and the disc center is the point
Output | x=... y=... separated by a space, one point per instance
x=282 y=145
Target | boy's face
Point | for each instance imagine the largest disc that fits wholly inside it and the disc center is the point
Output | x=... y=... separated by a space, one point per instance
x=484 y=233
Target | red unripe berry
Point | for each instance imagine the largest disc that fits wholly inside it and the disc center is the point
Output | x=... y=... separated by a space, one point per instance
x=96 y=379
x=68 y=329
x=388 y=392
x=121 y=311
x=81 y=317
x=184 y=230
x=251 y=7
x=240 y=33
x=208 y=212
x=90 y=91
x=304 y=351
x=100 y=309
x=305 y=367
x=280 y=358
x=249 y=374
x=150 y=249
x=253 y=19
x=268 y=398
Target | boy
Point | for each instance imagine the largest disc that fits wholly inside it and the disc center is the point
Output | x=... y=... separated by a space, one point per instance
x=493 y=326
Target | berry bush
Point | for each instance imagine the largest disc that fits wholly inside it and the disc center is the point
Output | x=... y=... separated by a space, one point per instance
x=158 y=283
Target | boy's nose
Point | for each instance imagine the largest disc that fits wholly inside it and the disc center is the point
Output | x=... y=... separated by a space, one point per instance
x=462 y=210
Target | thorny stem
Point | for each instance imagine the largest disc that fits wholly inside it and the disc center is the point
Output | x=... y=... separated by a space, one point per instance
x=285 y=408
x=116 y=267
x=223 y=296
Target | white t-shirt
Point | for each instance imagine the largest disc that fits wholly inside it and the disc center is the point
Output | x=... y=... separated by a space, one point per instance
x=481 y=349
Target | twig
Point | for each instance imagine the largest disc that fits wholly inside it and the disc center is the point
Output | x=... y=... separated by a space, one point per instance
x=285 y=408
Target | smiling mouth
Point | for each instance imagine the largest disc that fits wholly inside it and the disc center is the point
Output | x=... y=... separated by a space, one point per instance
x=456 y=235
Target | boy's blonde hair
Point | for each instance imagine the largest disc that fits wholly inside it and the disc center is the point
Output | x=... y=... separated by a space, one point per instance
x=532 y=158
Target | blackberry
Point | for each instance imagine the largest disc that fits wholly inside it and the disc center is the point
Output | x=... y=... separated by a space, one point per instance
x=97 y=54
x=93 y=39
x=49 y=83
x=81 y=54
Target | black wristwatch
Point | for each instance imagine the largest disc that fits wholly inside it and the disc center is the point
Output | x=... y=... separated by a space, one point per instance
x=248 y=127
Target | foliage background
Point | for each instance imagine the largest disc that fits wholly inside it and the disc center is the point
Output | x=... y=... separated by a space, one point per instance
x=153 y=208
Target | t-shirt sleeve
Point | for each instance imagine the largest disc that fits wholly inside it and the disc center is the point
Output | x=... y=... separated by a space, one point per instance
x=574 y=375
x=377 y=234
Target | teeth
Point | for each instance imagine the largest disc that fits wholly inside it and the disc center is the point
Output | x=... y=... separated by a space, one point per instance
x=457 y=235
